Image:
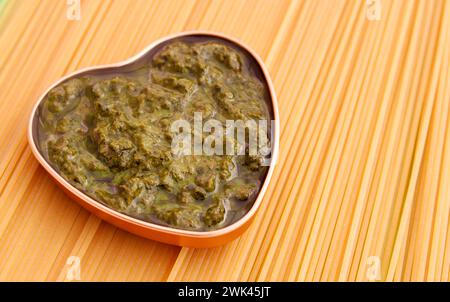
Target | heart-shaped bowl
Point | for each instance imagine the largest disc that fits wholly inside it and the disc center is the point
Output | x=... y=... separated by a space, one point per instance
x=166 y=234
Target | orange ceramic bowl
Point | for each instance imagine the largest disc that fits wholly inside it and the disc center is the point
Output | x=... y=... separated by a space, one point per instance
x=146 y=229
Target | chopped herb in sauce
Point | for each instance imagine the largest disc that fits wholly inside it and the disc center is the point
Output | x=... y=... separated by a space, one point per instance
x=110 y=136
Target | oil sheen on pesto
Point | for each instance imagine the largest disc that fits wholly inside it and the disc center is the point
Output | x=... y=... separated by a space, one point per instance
x=110 y=136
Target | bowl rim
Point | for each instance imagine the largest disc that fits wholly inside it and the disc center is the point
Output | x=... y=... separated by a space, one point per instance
x=141 y=223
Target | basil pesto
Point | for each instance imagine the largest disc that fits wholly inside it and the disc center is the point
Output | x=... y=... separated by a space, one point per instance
x=110 y=136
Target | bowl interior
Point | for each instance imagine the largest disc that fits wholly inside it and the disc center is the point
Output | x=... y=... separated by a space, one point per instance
x=143 y=59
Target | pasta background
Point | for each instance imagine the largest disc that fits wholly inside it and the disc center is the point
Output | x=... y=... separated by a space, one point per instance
x=361 y=188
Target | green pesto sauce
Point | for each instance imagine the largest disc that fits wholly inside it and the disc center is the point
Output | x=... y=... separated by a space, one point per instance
x=110 y=136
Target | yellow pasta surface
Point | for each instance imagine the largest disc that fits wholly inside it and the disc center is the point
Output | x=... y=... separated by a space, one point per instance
x=361 y=190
